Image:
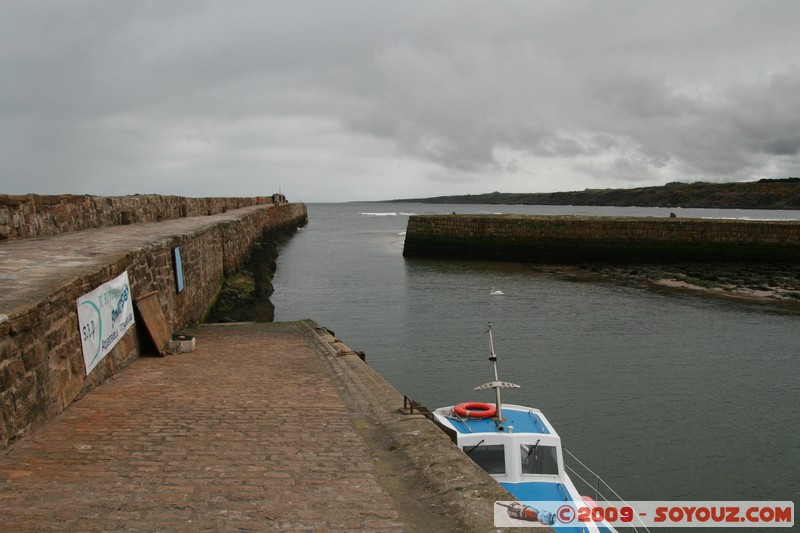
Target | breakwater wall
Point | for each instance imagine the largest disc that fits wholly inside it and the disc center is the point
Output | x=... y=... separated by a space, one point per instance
x=573 y=239
x=33 y=215
x=41 y=361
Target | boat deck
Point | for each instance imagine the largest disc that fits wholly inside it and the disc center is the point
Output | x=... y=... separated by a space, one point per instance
x=541 y=491
x=520 y=419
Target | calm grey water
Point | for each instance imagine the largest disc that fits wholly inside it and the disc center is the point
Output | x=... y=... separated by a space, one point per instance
x=666 y=396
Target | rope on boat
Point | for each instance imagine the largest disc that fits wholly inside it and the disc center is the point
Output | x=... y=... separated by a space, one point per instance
x=455 y=416
x=603 y=481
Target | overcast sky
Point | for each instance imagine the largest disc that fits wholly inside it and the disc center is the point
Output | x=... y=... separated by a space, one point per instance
x=368 y=100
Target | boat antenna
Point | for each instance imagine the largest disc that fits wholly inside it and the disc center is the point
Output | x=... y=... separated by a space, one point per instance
x=496 y=384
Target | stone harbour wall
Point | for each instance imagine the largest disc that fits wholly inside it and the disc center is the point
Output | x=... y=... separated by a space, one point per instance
x=573 y=239
x=41 y=360
x=32 y=215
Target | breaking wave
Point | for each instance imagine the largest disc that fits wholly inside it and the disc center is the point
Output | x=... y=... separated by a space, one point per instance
x=385 y=214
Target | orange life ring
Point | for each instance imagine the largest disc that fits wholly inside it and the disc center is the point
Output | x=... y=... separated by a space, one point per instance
x=590 y=501
x=483 y=410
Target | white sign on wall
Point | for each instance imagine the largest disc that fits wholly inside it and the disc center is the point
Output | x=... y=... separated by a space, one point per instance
x=104 y=315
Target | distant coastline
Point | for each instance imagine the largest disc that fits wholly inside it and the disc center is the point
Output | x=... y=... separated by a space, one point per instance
x=763 y=194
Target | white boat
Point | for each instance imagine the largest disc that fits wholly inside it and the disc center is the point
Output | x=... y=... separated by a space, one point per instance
x=518 y=447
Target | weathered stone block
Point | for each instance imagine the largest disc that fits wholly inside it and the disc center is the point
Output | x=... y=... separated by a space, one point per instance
x=11 y=372
x=24 y=391
x=32 y=353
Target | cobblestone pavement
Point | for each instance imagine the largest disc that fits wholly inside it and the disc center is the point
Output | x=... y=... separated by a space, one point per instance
x=246 y=433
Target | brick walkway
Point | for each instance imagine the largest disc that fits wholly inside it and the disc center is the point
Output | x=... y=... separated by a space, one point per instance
x=246 y=433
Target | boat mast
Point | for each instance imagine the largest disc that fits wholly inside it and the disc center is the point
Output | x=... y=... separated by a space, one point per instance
x=496 y=384
x=493 y=359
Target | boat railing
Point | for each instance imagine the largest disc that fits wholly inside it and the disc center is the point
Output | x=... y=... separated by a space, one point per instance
x=595 y=484
x=537 y=422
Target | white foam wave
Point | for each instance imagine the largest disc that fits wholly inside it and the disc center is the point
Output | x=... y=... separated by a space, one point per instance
x=745 y=218
x=387 y=214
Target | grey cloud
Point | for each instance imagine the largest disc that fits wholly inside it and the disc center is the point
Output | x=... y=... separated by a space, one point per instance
x=783 y=146
x=167 y=94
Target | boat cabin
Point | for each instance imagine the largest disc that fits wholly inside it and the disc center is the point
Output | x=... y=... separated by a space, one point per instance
x=524 y=448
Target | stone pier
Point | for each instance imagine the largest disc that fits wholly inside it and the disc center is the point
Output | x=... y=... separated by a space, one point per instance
x=576 y=239
x=41 y=360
